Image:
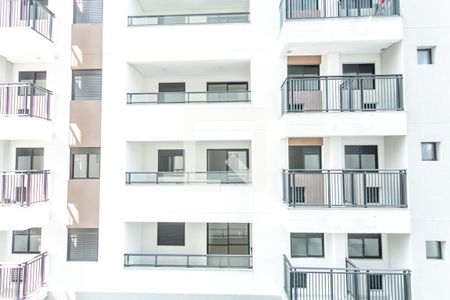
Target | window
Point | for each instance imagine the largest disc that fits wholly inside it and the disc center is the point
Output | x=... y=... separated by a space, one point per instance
x=88 y=11
x=228 y=165
x=434 y=249
x=227 y=91
x=361 y=157
x=360 y=70
x=171 y=234
x=424 y=56
x=87 y=85
x=306 y=84
x=429 y=151
x=170 y=160
x=26 y=8
x=29 y=158
x=82 y=244
x=228 y=238
x=85 y=163
x=307 y=245
x=27 y=241
x=364 y=246
x=38 y=78
x=305 y=157
x=172 y=92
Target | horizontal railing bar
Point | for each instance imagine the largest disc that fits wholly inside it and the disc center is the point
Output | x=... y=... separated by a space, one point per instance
x=25 y=172
x=189 y=255
x=393 y=171
x=19 y=84
x=193 y=15
x=37 y=257
x=337 y=77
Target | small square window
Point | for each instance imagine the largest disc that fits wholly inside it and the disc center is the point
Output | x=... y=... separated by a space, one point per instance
x=434 y=249
x=424 y=56
x=27 y=241
x=307 y=245
x=429 y=151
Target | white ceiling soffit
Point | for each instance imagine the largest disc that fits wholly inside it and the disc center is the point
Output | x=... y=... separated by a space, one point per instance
x=192 y=68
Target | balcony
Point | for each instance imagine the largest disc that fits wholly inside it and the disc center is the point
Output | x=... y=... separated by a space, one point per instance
x=28 y=26
x=348 y=26
x=316 y=9
x=24 y=280
x=219 y=26
x=24 y=100
x=199 y=245
x=345 y=188
x=176 y=162
x=23 y=188
x=350 y=282
x=342 y=94
x=26 y=110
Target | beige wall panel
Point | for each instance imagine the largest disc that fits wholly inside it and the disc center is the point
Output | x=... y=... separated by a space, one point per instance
x=83 y=203
x=306 y=141
x=85 y=123
x=87 y=40
x=304 y=60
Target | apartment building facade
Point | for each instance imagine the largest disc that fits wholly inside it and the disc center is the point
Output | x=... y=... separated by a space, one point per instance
x=234 y=149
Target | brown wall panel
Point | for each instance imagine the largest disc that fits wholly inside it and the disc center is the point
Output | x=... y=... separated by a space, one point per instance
x=83 y=203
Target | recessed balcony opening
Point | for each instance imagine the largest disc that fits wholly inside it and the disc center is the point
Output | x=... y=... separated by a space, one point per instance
x=22 y=264
x=189 y=82
x=188 y=245
x=374 y=267
x=361 y=83
x=24 y=181
x=175 y=12
x=206 y=162
x=314 y=9
x=346 y=172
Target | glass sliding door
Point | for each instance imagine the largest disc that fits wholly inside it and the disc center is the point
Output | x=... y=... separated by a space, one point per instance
x=228 y=165
x=228 y=239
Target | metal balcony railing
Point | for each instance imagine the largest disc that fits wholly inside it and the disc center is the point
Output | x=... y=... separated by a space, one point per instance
x=345 y=188
x=188 y=97
x=342 y=93
x=24 y=99
x=189 y=261
x=20 y=281
x=211 y=177
x=27 y=13
x=315 y=9
x=23 y=188
x=345 y=283
x=216 y=18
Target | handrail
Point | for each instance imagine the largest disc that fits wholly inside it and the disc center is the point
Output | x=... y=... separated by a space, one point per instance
x=234 y=261
x=24 y=188
x=342 y=93
x=374 y=188
x=188 y=19
x=20 y=281
x=230 y=177
x=188 y=97
x=323 y=9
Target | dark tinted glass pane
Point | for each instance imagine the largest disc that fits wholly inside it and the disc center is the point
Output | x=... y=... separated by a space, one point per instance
x=434 y=249
x=218 y=233
x=171 y=234
x=304 y=70
x=304 y=157
x=424 y=56
x=428 y=151
x=170 y=160
x=217 y=160
x=172 y=87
